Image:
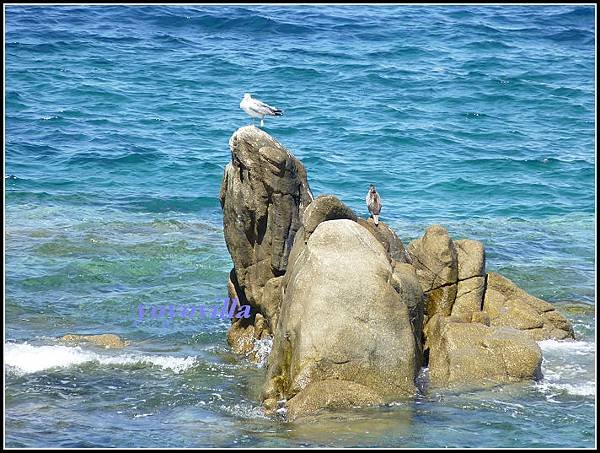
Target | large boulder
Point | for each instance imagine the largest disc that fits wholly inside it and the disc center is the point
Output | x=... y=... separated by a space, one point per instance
x=435 y=259
x=344 y=319
x=473 y=354
x=329 y=207
x=508 y=305
x=263 y=194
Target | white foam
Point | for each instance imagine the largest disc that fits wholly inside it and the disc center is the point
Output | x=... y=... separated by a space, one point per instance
x=584 y=389
x=245 y=410
x=570 y=346
x=262 y=349
x=25 y=358
x=564 y=374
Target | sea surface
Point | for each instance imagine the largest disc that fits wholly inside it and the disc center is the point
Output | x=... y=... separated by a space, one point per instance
x=117 y=120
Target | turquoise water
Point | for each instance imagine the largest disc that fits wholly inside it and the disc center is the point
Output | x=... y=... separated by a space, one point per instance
x=117 y=123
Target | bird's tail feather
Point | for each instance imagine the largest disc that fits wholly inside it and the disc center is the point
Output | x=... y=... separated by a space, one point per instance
x=277 y=112
x=376 y=219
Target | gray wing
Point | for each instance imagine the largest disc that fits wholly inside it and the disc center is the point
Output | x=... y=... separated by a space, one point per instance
x=264 y=109
x=377 y=202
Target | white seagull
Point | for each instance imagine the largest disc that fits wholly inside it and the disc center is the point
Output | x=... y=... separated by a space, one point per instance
x=258 y=109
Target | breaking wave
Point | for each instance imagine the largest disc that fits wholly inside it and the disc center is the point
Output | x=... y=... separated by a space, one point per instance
x=23 y=358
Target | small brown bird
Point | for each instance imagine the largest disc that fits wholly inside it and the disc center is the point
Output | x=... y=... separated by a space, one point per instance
x=373 y=203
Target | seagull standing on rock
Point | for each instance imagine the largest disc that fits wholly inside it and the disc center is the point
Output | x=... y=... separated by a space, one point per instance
x=374 y=203
x=258 y=109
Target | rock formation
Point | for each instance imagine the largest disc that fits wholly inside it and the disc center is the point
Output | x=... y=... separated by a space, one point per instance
x=352 y=312
x=452 y=275
x=263 y=194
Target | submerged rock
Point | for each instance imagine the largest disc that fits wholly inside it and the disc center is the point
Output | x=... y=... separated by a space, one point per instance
x=576 y=308
x=107 y=340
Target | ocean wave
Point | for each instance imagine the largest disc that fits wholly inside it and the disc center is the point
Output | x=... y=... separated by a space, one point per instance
x=33 y=150
x=488 y=44
x=482 y=28
x=577 y=15
x=463 y=185
x=167 y=204
x=554 y=388
x=336 y=54
x=134 y=156
x=242 y=20
x=45 y=47
x=564 y=376
x=112 y=39
x=573 y=36
x=24 y=358
x=47 y=198
x=291 y=71
x=567 y=346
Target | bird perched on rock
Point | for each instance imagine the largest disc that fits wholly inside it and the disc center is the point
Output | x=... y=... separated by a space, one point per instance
x=258 y=109
x=374 y=203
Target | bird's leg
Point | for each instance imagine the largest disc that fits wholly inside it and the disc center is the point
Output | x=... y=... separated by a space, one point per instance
x=262 y=122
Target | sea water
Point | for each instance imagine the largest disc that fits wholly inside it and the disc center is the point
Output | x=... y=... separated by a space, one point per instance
x=117 y=126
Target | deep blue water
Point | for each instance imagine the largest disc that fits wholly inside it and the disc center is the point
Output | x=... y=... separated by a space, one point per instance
x=117 y=123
